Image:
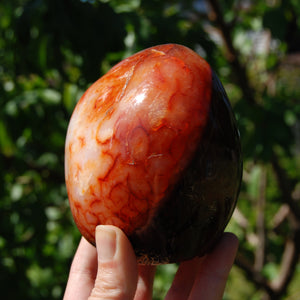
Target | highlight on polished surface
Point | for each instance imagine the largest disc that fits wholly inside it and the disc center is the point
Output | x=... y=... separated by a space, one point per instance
x=152 y=147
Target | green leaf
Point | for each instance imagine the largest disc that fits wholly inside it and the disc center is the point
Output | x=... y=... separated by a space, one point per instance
x=7 y=147
x=50 y=96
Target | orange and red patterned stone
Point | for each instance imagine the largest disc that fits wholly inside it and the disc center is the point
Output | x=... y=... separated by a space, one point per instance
x=152 y=147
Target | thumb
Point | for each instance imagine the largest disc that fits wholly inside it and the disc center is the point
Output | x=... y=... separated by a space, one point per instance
x=117 y=272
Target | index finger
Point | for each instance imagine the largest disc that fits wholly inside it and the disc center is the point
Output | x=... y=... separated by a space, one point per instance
x=82 y=273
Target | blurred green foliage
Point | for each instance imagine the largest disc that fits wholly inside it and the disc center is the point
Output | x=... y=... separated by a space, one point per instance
x=52 y=50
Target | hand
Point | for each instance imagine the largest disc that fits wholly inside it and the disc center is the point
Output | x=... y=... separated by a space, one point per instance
x=111 y=272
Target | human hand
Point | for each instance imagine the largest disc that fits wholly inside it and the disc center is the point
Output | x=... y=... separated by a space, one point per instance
x=111 y=272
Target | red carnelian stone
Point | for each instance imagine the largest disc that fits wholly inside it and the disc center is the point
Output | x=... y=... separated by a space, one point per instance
x=152 y=147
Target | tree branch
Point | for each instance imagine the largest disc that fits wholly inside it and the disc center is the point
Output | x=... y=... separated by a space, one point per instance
x=260 y=223
x=286 y=187
x=233 y=55
x=280 y=217
x=287 y=268
x=256 y=277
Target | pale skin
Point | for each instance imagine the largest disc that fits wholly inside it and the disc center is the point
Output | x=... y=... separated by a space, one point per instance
x=110 y=271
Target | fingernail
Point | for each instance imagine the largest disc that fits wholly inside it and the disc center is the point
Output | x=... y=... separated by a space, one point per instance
x=106 y=243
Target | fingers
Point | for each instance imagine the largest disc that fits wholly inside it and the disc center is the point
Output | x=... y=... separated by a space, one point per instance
x=205 y=277
x=145 y=282
x=214 y=270
x=82 y=273
x=117 y=273
x=184 y=279
x=115 y=276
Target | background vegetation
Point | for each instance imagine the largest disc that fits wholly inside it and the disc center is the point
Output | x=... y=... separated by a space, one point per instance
x=51 y=50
